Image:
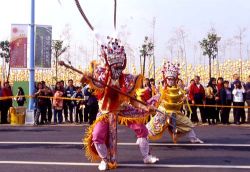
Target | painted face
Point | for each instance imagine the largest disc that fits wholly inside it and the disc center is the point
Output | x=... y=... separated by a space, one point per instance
x=171 y=81
x=115 y=58
x=116 y=64
x=116 y=72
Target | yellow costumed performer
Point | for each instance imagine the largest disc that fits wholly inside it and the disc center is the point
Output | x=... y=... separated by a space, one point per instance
x=170 y=103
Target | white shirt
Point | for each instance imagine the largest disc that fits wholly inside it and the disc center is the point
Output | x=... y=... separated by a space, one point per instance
x=238 y=95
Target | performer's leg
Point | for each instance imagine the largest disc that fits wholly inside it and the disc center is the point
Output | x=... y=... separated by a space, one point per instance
x=192 y=137
x=142 y=133
x=99 y=137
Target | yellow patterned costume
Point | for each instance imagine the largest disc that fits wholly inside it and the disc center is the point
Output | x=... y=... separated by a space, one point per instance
x=169 y=115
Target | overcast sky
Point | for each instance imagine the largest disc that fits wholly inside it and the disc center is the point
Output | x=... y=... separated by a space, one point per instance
x=134 y=20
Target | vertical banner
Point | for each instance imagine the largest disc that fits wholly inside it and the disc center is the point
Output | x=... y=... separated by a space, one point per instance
x=18 y=46
x=43 y=46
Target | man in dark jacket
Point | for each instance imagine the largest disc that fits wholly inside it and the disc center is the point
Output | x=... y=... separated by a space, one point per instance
x=226 y=100
x=70 y=90
x=91 y=105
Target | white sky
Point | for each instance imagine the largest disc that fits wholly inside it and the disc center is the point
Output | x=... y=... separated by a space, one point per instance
x=134 y=19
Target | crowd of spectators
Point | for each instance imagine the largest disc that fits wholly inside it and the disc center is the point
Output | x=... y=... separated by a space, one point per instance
x=216 y=98
x=55 y=104
x=58 y=104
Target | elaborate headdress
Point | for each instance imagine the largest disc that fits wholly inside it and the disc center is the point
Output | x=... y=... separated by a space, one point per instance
x=114 y=53
x=170 y=70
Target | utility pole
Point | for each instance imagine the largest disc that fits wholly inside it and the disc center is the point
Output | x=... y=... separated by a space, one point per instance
x=32 y=58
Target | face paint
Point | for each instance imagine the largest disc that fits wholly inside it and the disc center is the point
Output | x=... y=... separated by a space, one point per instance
x=171 y=81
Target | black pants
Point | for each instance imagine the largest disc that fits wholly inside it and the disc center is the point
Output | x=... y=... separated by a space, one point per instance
x=79 y=114
x=217 y=111
x=194 y=116
x=210 y=111
x=93 y=110
x=6 y=104
x=248 y=111
x=225 y=111
x=4 y=114
x=41 y=111
x=65 y=110
x=240 y=115
x=69 y=107
x=86 y=113
x=49 y=111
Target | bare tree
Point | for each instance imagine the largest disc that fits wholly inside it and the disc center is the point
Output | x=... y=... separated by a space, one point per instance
x=181 y=37
x=239 y=39
x=229 y=44
x=171 y=46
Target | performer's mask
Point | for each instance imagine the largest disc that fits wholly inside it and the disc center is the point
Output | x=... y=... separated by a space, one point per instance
x=115 y=58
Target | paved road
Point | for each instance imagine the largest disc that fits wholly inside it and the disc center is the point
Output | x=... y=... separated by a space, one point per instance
x=58 y=148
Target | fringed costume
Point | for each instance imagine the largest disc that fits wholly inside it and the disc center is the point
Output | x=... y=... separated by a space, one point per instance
x=101 y=138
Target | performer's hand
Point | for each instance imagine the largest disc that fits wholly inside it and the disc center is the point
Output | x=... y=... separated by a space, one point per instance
x=151 y=108
x=84 y=78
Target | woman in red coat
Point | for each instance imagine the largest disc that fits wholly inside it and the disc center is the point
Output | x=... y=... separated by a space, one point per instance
x=197 y=96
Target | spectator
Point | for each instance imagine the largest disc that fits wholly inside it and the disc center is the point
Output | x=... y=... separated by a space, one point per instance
x=20 y=99
x=211 y=91
x=188 y=98
x=1 y=106
x=91 y=104
x=70 y=90
x=86 y=108
x=6 y=103
x=148 y=89
x=219 y=86
x=238 y=100
x=153 y=87
x=181 y=85
x=236 y=78
x=48 y=105
x=248 y=98
x=226 y=98
x=40 y=105
x=65 y=108
x=146 y=82
x=197 y=96
x=79 y=103
x=58 y=103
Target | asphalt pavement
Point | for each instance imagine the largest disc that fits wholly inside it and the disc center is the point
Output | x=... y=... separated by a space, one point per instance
x=59 y=148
